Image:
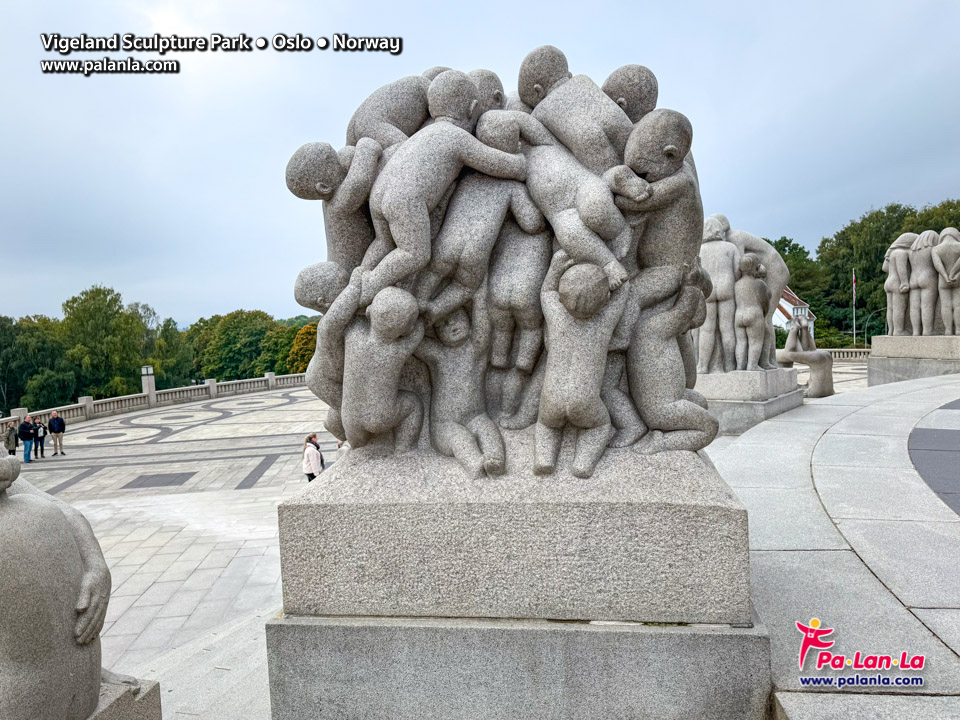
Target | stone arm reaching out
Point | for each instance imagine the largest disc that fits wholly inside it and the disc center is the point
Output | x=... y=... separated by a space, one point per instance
x=355 y=188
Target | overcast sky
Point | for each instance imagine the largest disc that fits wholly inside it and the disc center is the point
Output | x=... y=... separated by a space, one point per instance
x=170 y=189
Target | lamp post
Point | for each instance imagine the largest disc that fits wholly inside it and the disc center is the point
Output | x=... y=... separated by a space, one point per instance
x=866 y=326
x=148 y=384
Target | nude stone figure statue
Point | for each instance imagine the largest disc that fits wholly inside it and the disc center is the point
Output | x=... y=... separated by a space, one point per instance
x=461 y=251
x=457 y=359
x=581 y=316
x=778 y=275
x=392 y=113
x=417 y=177
x=752 y=300
x=676 y=416
x=489 y=91
x=801 y=348
x=324 y=374
x=896 y=263
x=577 y=112
x=55 y=587
x=578 y=204
x=946 y=260
x=376 y=347
x=721 y=260
x=343 y=181
x=923 y=283
x=634 y=88
x=517 y=269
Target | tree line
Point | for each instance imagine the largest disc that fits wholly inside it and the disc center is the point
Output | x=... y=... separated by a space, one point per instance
x=99 y=345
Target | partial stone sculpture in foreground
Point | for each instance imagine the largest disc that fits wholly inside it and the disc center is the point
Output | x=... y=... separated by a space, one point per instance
x=923 y=309
x=736 y=349
x=55 y=587
x=511 y=365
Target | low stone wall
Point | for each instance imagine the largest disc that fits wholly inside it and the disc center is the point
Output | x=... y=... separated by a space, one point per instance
x=849 y=354
x=89 y=409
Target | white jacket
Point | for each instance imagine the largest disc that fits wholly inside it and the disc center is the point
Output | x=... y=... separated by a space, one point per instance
x=312 y=460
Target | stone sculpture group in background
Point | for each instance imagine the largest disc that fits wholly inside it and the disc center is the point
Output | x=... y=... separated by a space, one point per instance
x=923 y=272
x=748 y=277
x=55 y=587
x=492 y=259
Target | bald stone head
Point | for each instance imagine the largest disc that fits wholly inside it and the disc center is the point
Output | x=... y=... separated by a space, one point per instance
x=453 y=96
x=540 y=71
x=658 y=143
x=634 y=88
x=489 y=89
x=314 y=172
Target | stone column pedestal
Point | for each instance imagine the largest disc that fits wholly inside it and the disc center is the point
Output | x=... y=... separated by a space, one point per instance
x=894 y=358
x=412 y=591
x=743 y=398
x=118 y=702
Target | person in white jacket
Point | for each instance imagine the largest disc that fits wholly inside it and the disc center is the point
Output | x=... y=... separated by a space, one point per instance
x=312 y=457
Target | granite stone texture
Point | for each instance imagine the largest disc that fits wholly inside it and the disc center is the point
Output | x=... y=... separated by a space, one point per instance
x=837 y=706
x=453 y=669
x=883 y=370
x=656 y=538
x=930 y=347
x=747 y=384
x=119 y=702
x=737 y=416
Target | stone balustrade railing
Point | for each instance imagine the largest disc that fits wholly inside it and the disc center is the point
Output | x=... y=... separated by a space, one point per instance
x=849 y=354
x=89 y=409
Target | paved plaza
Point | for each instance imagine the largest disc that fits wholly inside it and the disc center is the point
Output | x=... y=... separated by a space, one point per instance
x=853 y=503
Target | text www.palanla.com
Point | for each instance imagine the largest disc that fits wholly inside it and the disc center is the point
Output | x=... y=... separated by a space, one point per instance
x=109 y=65
x=862 y=680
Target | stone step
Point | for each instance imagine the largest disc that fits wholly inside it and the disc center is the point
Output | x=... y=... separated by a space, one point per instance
x=219 y=676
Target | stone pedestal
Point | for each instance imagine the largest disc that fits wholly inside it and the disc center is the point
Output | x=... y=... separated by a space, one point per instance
x=743 y=398
x=450 y=669
x=118 y=702
x=412 y=591
x=907 y=357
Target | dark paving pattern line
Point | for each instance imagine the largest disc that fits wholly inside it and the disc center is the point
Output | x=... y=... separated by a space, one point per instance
x=250 y=480
x=159 y=480
x=75 y=479
x=935 y=453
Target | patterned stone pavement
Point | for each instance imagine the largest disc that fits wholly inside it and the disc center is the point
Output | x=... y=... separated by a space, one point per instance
x=183 y=500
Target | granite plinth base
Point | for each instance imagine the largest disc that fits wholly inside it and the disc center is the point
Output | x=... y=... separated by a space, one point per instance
x=741 y=399
x=462 y=669
x=658 y=538
x=894 y=358
x=119 y=702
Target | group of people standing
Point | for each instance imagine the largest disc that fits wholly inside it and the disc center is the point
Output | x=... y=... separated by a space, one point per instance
x=33 y=434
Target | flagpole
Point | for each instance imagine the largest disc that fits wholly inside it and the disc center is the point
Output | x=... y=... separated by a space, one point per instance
x=854 y=307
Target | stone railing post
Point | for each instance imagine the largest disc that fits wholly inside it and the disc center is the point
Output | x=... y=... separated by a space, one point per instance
x=211 y=384
x=149 y=385
x=87 y=402
x=271 y=380
x=18 y=412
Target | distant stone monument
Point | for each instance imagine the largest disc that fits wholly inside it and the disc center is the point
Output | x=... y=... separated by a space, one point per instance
x=55 y=587
x=737 y=370
x=923 y=309
x=510 y=363
x=801 y=348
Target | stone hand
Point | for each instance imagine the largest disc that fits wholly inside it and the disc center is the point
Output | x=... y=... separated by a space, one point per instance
x=904 y=289
x=616 y=274
x=92 y=604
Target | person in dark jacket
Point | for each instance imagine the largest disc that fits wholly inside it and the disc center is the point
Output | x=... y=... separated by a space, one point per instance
x=57 y=427
x=10 y=439
x=39 y=436
x=25 y=433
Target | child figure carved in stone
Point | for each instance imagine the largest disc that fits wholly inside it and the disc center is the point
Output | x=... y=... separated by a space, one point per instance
x=343 y=181
x=457 y=360
x=581 y=315
x=376 y=347
x=418 y=175
x=753 y=298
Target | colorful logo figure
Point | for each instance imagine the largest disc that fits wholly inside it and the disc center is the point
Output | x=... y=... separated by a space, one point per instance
x=812 y=638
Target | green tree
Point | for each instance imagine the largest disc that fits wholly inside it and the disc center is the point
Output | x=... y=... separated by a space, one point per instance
x=103 y=342
x=234 y=346
x=198 y=336
x=933 y=217
x=303 y=348
x=274 y=349
x=172 y=357
x=49 y=388
x=28 y=346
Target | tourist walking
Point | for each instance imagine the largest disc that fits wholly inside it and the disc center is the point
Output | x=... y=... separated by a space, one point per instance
x=25 y=433
x=39 y=436
x=57 y=427
x=312 y=457
x=10 y=439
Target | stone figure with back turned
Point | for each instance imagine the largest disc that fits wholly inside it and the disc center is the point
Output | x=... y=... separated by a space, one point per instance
x=417 y=177
x=55 y=587
x=896 y=263
x=752 y=300
x=946 y=260
x=923 y=283
x=721 y=260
